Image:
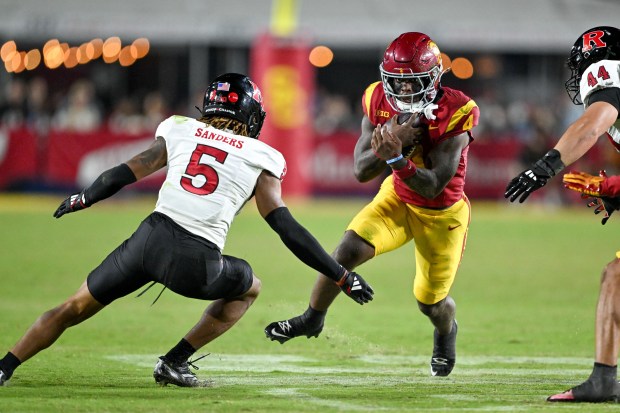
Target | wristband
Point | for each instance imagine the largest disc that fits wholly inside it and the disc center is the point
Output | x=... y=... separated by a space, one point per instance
x=408 y=171
x=551 y=162
x=342 y=279
x=393 y=160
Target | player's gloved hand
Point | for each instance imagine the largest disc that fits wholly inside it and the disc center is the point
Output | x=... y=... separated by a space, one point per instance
x=534 y=178
x=73 y=203
x=603 y=205
x=353 y=285
x=601 y=188
x=587 y=184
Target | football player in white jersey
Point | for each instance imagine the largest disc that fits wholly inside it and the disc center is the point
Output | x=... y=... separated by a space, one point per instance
x=215 y=165
x=595 y=82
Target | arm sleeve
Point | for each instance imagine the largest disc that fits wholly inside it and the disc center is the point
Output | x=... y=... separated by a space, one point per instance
x=303 y=244
x=109 y=183
x=610 y=95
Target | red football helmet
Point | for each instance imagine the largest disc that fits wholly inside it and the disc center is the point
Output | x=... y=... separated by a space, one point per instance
x=411 y=71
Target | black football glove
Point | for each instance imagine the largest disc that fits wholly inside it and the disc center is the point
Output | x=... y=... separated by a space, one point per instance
x=534 y=178
x=353 y=285
x=73 y=203
x=606 y=205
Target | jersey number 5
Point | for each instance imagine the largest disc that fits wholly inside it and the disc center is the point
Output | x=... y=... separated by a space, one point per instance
x=195 y=168
x=602 y=74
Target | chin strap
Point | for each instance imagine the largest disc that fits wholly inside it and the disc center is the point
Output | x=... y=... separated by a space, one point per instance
x=427 y=111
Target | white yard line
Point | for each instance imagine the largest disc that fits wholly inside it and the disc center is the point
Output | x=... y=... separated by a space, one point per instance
x=384 y=365
x=297 y=395
x=302 y=374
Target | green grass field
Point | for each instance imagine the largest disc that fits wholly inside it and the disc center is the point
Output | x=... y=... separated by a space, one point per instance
x=526 y=294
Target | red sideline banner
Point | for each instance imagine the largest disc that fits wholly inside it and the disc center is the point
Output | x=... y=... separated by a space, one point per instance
x=78 y=158
x=332 y=167
x=71 y=159
x=18 y=157
x=490 y=166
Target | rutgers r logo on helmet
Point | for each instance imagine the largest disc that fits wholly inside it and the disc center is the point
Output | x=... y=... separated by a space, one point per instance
x=592 y=40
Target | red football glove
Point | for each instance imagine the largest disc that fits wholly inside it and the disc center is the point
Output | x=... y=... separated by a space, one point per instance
x=597 y=186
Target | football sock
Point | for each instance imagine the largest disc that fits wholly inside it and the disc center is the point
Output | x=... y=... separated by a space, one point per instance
x=9 y=363
x=181 y=352
x=604 y=371
x=312 y=317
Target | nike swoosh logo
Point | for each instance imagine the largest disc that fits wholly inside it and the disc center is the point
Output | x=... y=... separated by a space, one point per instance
x=275 y=333
x=433 y=127
x=453 y=227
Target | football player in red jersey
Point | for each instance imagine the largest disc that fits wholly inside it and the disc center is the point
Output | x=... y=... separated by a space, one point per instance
x=422 y=199
x=595 y=82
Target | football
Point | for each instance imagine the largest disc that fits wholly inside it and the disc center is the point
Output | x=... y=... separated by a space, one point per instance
x=404 y=117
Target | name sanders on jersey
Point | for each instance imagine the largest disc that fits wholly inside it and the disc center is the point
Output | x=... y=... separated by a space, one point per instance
x=207 y=134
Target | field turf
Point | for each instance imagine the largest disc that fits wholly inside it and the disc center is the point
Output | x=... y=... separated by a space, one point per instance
x=525 y=293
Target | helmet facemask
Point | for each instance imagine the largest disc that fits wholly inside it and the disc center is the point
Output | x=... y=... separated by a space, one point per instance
x=575 y=64
x=422 y=92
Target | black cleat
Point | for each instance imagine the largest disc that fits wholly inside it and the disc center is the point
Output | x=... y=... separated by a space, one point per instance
x=444 y=352
x=283 y=331
x=3 y=378
x=593 y=390
x=178 y=374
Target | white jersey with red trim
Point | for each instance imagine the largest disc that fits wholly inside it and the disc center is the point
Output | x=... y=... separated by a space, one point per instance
x=211 y=175
x=601 y=75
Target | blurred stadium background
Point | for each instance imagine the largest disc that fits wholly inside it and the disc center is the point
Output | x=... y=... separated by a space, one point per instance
x=84 y=85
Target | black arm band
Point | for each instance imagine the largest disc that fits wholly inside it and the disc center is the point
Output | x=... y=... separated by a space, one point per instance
x=552 y=162
x=303 y=244
x=109 y=183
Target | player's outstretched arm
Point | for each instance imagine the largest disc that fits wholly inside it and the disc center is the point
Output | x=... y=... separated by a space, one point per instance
x=302 y=243
x=578 y=138
x=112 y=180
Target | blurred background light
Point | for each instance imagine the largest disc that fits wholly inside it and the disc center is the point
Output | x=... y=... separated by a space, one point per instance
x=462 y=68
x=321 y=56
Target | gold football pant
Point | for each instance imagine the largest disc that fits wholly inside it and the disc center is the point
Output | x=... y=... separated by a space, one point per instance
x=439 y=237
